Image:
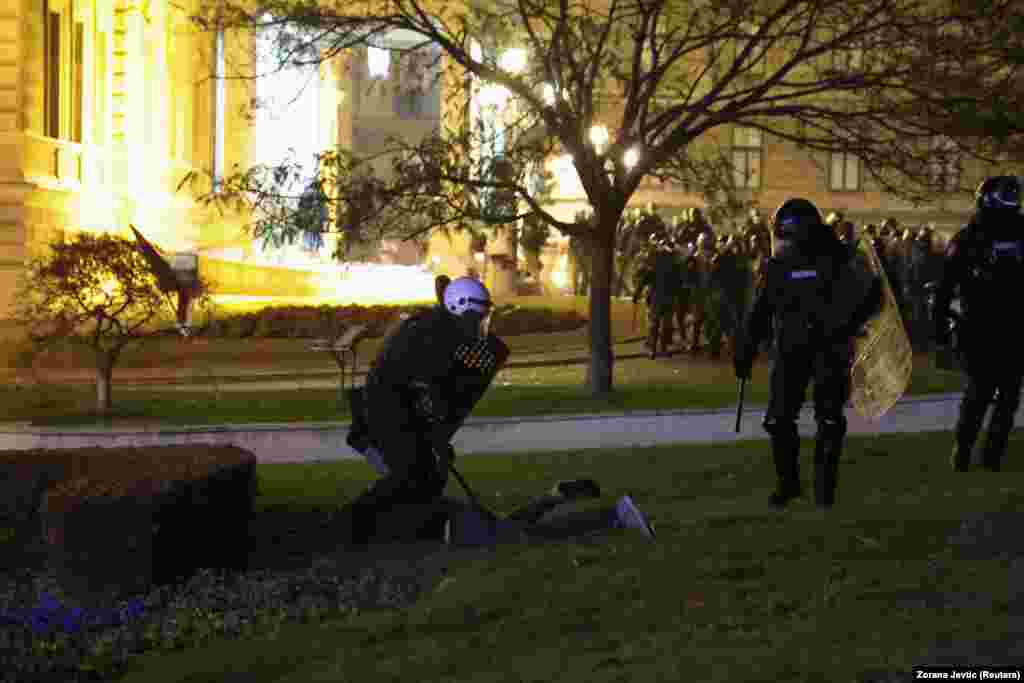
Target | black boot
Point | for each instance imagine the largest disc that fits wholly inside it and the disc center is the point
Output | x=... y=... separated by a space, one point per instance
x=960 y=458
x=998 y=436
x=977 y=397
x=827 y=450
x=362 y=525
x=785 y=454
x=995 y=445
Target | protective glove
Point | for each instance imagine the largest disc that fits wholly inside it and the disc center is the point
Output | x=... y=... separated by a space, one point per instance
x=743 y=363
x=945 y=358
x=443 y=451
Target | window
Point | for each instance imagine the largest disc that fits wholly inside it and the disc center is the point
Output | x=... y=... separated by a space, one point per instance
x=945 y=165
x=77 y=79
x=746 y=157
x=419 y=95
x=290 y=122
x=844 y=172
x=64 y=47
x=219 y=95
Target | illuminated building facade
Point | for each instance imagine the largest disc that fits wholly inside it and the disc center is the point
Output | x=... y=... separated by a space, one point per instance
x=107 y=104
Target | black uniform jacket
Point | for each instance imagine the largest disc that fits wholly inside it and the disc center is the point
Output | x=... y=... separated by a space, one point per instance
x=984 y=264
x=413 y=368
x=812 y=300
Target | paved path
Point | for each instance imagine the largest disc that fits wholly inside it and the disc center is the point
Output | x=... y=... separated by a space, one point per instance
x=326 y=441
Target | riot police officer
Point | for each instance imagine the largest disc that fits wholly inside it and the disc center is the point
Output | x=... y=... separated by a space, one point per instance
x=756 y=230
x=921 y=269
x=661 y=274
x=704 y=295
x=815 y=298
x=985 y=261
x=733 y=277
x=415 y=399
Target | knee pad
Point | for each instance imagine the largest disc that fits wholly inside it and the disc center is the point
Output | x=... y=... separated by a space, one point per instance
x=781 y=429
x=832 y=427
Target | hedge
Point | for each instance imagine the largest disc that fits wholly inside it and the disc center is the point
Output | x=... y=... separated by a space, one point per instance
x=329 y=321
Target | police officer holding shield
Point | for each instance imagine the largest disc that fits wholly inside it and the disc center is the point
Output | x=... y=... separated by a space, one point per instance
x=426 y=379
x=815 y=298
x=984 y=262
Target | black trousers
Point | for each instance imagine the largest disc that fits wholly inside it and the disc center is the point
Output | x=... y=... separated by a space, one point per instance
x=413 y=478
x=989 y=380
x=791 y=373
x=659 y=327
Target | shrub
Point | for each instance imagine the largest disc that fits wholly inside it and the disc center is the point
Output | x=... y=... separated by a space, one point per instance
x=330 y=321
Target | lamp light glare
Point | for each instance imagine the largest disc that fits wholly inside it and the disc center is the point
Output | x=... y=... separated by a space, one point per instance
x=513 y=60
x=598 y=136
x=493 y=95
x=631 y=157
x=547 y=94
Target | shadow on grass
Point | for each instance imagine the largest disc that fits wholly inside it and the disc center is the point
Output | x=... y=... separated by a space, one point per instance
x=731 y=590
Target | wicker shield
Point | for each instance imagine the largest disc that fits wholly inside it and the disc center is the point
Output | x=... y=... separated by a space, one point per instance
x=476 y=365
x=883 y=357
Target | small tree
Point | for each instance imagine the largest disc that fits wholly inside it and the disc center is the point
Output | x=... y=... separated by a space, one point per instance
x=97 y=291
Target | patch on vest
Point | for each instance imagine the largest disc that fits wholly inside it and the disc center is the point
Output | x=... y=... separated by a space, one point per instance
x=802 y=274
x=999 y=247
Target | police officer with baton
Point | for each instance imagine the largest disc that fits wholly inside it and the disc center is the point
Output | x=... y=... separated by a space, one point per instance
x=813 y=298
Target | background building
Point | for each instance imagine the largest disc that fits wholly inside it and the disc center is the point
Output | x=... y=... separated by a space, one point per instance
x=107 y=104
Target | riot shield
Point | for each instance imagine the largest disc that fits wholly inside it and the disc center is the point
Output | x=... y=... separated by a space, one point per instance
x=476 y=365
x=883 y=357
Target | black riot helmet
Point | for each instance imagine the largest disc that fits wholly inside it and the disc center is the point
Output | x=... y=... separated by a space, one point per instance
x=999 y=193
x=797 y=223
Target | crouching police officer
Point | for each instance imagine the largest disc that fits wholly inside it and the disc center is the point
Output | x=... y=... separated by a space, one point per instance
x=985 y=260
x=815 y=298
x=427 y=377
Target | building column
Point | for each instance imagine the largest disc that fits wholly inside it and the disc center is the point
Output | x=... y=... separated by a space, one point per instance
x=12 y=119
x=129 y=86
x=13 y=188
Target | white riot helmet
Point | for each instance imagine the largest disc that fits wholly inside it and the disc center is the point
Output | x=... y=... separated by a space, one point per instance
x=469 y=301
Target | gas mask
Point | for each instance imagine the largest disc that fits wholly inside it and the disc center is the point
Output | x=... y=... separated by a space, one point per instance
x=782 y=247
x=475 y=324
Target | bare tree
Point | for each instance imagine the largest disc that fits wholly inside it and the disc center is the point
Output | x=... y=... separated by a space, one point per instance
x=101 y=292
x=665 y=77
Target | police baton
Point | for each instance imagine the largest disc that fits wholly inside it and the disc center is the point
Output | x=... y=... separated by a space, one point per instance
x=739 y=404
x=492 y=519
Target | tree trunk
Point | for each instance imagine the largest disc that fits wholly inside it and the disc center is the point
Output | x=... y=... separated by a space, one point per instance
x=599 y=373
x=104 y=374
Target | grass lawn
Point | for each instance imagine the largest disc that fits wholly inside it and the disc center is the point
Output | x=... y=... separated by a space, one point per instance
x=729 y=592
x=641 y=384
